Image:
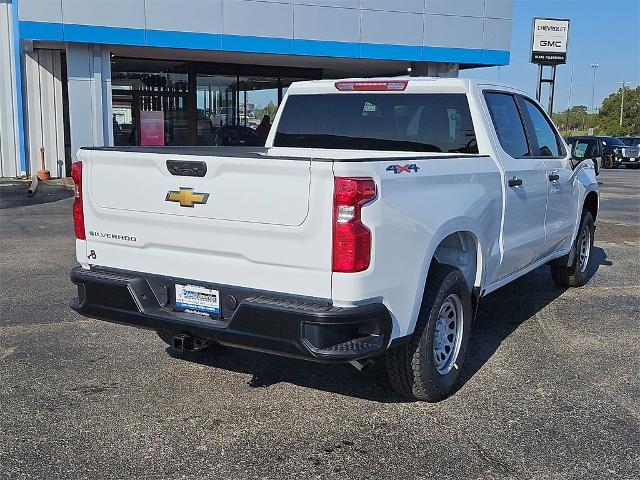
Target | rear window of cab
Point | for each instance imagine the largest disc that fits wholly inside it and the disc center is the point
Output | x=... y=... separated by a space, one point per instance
x=370 y=121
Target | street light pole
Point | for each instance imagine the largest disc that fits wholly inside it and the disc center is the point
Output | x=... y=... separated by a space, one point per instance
x=622 y=103
x=569 y=99
x=593 y=87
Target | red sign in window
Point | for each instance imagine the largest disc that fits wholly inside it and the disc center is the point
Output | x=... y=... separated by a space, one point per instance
x=152 y=128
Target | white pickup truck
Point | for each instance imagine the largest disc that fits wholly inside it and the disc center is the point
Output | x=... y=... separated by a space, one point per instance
x=371 y=224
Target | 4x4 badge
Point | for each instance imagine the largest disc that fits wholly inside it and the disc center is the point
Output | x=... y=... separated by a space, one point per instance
x=186 y=197
x=408 y=168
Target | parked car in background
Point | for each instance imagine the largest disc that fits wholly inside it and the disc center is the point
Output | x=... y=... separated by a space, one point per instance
x=632 y=160
x=612 y=151
x=237 y=135
x=220 y=118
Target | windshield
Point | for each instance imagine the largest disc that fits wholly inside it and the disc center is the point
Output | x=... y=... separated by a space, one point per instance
x=631 y=141
x=613 y=141
x=401 y=122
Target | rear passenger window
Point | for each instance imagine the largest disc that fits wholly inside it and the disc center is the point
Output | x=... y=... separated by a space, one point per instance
x=508 y=124
x=543 y=133
x=378 y=121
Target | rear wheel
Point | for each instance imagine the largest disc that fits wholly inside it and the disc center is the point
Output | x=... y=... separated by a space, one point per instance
x=576 y=274
x=428 y=367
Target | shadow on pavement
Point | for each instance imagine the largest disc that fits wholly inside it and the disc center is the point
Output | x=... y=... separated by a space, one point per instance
x=499 y=315
x=502 y=312
x=267 y=370
x=14 y=195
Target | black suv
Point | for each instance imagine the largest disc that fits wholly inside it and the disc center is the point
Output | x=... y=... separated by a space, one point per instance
x=630 y=160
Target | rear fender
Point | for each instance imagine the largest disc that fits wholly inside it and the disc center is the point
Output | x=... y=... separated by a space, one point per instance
x=463 y=224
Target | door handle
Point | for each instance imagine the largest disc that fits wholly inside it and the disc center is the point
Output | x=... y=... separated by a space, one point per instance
x=515 y=182
x=187 y=168
x=554 y=177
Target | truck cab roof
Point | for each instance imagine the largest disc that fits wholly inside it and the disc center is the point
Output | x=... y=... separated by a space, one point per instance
x=413 y=85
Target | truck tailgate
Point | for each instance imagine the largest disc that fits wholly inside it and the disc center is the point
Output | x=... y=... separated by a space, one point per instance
x=258 y=222
x=263 y=190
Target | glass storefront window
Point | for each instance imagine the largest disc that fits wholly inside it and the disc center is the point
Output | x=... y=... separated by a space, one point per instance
x=194 y=103
x=262 y=94
x=136 y=92
x=216 y=106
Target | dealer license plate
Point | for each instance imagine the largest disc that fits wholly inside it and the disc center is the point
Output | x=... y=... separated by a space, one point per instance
x=196 y=299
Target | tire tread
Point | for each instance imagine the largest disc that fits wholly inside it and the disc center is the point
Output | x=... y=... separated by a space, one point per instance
x=569 y=276
x=405 y=365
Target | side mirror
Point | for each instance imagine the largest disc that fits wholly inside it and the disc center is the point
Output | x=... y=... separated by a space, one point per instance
x=577 y=154
x=583 y=150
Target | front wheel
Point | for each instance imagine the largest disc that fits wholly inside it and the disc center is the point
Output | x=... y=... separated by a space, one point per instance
x=577 y=274
x=607 y=161
x=428 y=367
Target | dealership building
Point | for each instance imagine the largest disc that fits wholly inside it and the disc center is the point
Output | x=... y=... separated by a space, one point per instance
x=99 y=72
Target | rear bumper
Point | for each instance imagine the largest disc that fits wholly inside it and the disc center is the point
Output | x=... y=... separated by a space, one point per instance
x=285 y=325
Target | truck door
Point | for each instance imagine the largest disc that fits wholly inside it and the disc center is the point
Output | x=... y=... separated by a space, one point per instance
x=525 y=188
x=562 y=196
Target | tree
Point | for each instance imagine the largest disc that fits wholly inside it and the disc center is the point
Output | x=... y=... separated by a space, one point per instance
x=608 y=118
x=270 y=110
x=577 y=119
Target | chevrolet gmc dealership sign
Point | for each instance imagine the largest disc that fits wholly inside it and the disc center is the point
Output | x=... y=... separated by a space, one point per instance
x=549 y=41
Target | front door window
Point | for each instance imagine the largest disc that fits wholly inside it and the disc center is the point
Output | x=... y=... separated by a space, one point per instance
x=543 y=134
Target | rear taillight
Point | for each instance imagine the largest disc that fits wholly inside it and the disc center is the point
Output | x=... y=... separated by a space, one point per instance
x=351 y=238
x=78 y=211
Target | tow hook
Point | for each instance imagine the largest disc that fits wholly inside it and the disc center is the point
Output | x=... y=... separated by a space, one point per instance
x=362 y=365
x=187 y=343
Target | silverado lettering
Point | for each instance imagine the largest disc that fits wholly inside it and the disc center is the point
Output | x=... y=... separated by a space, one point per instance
x=112 y=236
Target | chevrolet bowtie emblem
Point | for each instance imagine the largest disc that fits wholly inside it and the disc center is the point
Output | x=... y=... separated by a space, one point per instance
x=186 y=197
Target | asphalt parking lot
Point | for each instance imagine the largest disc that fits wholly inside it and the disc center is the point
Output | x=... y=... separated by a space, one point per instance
x=551 y=389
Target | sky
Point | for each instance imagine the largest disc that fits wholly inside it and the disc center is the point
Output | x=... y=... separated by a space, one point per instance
x=606 y=32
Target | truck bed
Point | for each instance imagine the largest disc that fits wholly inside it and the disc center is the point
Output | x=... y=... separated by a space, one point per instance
x=189 y=150
x=260 y=152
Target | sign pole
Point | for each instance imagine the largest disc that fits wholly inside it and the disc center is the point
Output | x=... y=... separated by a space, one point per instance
x=549 y=41
x=539 y=86
x=553 y=90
